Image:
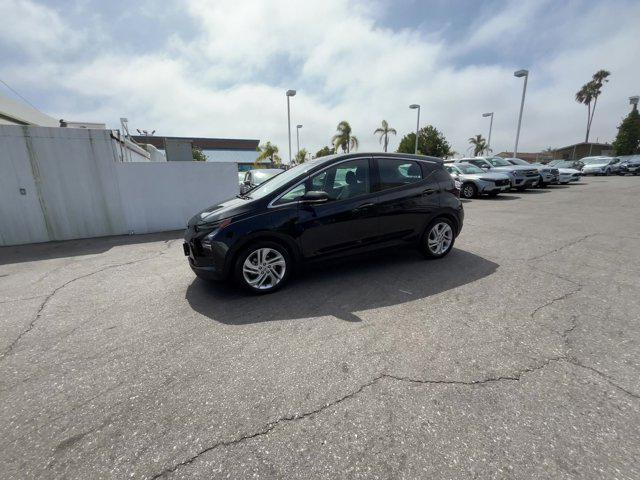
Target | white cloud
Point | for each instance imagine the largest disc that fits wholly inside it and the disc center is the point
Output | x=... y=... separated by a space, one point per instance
x=228 y=78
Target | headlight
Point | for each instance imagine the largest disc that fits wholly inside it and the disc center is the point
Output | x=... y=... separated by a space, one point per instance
x=208 y=239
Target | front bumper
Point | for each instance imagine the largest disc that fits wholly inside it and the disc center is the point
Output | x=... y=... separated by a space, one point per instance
x=525 y=182
x=549 y=177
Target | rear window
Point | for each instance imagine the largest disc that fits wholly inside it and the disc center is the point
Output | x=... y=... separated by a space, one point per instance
x=398 y=172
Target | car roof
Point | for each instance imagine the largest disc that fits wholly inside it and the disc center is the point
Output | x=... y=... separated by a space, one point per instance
x=344 y=156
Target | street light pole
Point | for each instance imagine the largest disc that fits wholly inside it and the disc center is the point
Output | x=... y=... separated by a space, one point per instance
x=633 y=101
x=414 y=106
x=519 y=74
x=490 y=114
x=298 y=127
x=290 y=93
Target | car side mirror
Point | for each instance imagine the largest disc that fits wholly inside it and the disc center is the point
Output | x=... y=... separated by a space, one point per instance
x=315 y=196
x=485 y=167
x=247 y=183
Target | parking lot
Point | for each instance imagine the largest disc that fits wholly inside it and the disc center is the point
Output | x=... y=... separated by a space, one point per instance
x=514 y=357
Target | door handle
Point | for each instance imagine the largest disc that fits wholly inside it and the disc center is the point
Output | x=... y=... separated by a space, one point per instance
x=428 y=191
x=362 y=207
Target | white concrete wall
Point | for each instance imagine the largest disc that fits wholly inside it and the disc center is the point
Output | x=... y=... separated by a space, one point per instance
x=163 y=196
x=76 y=187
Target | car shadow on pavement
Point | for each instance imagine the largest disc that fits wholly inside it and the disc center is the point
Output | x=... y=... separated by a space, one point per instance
x=342 y=288
x=74 y=248
x=499 y=198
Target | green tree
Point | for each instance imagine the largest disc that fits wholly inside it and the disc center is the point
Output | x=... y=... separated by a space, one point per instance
x=268 y=151
x=324 y=151
x=627 y=141
x=384 y=132
x=198 y=155
x=301 y=156
x=589 y=93
x=430 y=142
x=344 y=139
x=479 y=145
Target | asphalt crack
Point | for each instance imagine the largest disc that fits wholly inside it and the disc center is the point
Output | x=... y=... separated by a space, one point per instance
x=562 y=247
x=293 y=418
x=47 y=298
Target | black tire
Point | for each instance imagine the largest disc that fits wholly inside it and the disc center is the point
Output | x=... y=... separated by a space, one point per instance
x=263 y=268
x=428 y=252
x=468 y=190
x=493 y=194
x=541 y=182
x=521 y=189
x=607 y=172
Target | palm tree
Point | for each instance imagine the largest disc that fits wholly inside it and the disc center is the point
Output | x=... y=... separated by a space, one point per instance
x=301 y=156
x=268 y=151
x=384 y=132
x=343 y=139
x=479 y=145
x=590 y=92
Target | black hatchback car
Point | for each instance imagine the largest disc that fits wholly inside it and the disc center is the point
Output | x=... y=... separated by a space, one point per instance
x=327 y=207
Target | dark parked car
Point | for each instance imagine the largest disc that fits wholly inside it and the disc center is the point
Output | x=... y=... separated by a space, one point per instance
x=324 y=208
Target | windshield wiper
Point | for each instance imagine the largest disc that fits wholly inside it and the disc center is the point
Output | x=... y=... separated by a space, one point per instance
x=244 y=197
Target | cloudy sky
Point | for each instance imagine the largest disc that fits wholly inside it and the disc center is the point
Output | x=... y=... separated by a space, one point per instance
x=220 y=68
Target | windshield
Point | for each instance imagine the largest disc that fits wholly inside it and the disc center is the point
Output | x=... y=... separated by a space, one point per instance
x=260 y=176
x=563 y=164
x=594 y=161
x=518 y=161
x=498 y=162
x=467 y=168
x=285 y=177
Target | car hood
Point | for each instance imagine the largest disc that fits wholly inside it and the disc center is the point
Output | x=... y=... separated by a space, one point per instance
x=488 y=175
x=226 y=209
x=514 y=168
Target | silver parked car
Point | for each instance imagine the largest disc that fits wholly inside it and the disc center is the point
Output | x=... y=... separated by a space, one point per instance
x=475 y=181
x=600 y=165
x=630 y=164
x=521 y=177
x=253 y=178
x=548 y=175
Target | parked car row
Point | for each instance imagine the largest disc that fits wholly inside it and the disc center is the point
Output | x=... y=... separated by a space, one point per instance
x=602 y=165
x=493 y=175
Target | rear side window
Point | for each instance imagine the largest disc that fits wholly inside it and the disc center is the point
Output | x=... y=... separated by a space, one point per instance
x=397 y=172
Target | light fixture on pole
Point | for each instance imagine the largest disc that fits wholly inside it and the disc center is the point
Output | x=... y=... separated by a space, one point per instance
x=298 y=127
x=414 y=106
x=290 y=93
x=634 y=101
x=490 y=114
x=520 y=74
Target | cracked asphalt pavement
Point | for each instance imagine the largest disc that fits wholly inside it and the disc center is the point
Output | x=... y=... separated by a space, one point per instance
x=517 y=356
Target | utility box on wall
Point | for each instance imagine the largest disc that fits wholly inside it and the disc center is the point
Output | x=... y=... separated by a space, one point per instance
x=178 y=150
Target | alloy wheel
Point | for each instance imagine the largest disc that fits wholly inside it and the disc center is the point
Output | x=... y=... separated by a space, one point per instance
x=468 y=191
x=440 y=238
x=264 y=268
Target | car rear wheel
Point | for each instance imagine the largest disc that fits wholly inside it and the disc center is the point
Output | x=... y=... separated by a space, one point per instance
x=438 y=238
x=263 y=267
x=468 y=190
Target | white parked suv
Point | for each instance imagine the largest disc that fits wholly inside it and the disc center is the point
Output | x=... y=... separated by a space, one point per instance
x=522 y=177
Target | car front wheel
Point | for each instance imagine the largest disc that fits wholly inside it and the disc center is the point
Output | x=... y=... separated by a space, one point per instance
x=263 y=267
x=468 y=190
x=438 y=238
